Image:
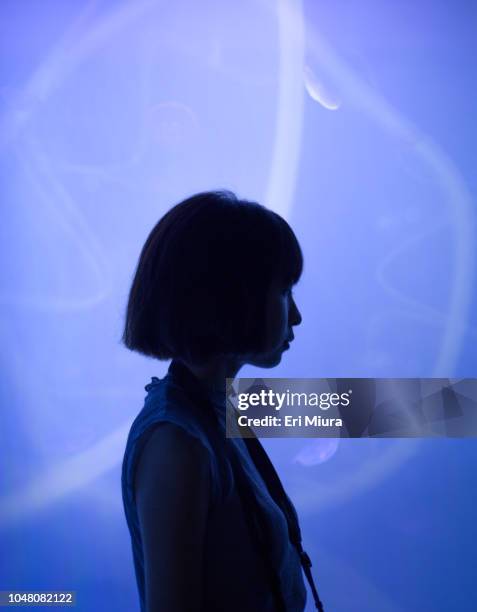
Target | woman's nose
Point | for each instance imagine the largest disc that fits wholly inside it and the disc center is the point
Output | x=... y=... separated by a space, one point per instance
x=294 y=317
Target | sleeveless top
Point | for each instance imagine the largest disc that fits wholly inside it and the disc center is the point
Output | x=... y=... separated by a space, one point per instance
x=236 y=577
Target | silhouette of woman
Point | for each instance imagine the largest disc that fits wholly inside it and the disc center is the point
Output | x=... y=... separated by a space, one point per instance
x=211 y=526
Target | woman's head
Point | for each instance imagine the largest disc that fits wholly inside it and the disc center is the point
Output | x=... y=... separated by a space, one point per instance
x=211 y=281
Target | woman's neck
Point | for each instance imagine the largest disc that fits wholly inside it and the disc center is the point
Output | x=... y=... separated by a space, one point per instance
x=213 y=373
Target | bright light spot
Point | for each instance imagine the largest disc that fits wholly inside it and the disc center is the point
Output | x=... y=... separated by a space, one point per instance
x=172 y=125
x=318 y=91
x=317 y=451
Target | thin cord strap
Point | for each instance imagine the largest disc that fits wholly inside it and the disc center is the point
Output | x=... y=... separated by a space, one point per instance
x=252 y=517
x=267 y=471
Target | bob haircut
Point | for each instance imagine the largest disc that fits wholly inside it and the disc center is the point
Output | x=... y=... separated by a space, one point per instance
x=201 y=283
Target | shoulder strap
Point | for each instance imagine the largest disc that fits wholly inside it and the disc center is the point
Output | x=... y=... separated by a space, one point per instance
x=267 y=471
x=254 y=519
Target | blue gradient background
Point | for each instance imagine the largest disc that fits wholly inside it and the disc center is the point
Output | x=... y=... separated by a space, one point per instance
x=355 y=121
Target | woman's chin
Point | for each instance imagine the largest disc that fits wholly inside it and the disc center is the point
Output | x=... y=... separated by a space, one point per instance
x=270 y=360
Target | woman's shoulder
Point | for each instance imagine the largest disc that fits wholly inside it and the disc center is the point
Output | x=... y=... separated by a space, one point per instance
x=169 y=441
x=166 y=403
x=172 y=428
x=171 y=457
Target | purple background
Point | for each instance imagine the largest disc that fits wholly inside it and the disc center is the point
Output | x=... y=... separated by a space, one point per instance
x=354 y=120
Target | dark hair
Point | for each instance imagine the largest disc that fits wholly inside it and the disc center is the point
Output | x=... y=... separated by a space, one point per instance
x=203 y=275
